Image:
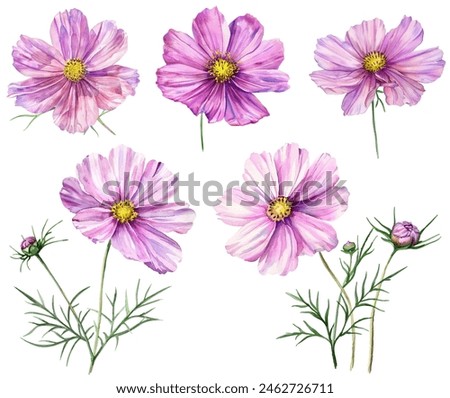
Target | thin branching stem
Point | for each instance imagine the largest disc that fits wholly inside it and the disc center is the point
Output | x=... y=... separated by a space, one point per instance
x=349 y=303
x=77 y=318
x=100 y=307
x=372 y=316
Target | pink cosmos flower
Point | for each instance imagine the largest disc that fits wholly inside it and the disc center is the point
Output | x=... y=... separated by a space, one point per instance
x=123 y=199
x=217 y=71
x=283 y=207
x=370 y=58
x=76 y=75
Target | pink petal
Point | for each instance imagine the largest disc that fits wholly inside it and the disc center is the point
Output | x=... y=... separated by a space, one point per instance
x=335 y=55
x=107 y=45
x=158 y=184
x=366 y=37
x=180 y=48
x=269 y=55
x=329 y=205
x=127 y=167
x=74 y=198
x=69 y=33
x=422 y=66
x=215 y=105
x=242 y=107
x=357 y=101
x=169 y=217
x=139 y=241
x=38 y=95
x=402 y=40
x=291 y=164
x=246 y=34
x=98 y=180
x=337 y=82
x=312 y=234
x=112 y=85
x=239 y=208
x=210 y=31
x=260 y=80
x=251 y=240
x=185 y=84
x=260 y=176
x=280 y=256
x=77 y=110
x=320 y=177
x=400 y=89
x=36 y=58
x=97 y=223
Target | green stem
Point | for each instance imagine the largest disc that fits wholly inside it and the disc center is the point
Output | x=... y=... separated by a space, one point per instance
x=349 y=304
x=339 y=301
x=375 y=128
x=372 y=316
x=333 y=355
x=86 y=339
x=99 y=119
x=100 y=308
x=201 y=132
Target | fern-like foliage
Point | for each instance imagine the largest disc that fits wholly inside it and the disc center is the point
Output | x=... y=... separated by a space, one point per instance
x=56 y=326
x=351 y=319
x=53 y=325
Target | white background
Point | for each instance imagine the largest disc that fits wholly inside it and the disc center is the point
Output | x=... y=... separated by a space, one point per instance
x=221 y=317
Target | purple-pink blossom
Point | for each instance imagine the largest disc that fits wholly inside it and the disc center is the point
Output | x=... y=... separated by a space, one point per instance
x=76 y=75
x=128 y=201
x=369 y=59
x=216 y=71
x=405 y=234
x=283 y=208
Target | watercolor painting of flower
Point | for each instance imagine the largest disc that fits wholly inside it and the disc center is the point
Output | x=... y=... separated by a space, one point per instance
x=217 y=71
x=126 y=201
x=284 y=208
x=370 y=61
x=75 y=76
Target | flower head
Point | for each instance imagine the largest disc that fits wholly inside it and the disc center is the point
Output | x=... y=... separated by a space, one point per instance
x=349 y=247
x=128 y=201
x=217 y=71
x=76 y=75
x=32 y=245
x=370 y=58
x=405 y=234
x=27 y=243
x=282 y=208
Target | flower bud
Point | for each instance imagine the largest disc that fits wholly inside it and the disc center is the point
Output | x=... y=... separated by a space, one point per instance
x=349 y=247
x=405 y=234
x=29 y=247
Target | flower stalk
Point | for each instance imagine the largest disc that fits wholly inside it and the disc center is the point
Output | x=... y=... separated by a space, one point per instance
x=349 y=304
x=100 y=308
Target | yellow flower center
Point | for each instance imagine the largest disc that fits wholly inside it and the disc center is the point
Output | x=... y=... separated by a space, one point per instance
x=222 y=67
x=279 y=209
x=124 y=211
x=374 y=61
x=74 y=70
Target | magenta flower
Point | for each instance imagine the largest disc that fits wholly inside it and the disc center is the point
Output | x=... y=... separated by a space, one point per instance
x=76 y=75
x=405 y=234
x=370 y=58
x=123 y=199
x=283 y=207
x=217 y=71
